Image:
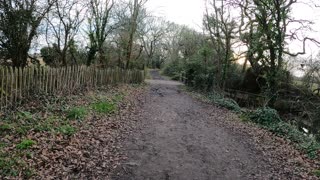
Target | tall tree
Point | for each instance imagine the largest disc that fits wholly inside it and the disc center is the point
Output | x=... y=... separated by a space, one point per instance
x=151 y=33
x=64 y=23
x=99 y=27
x=133 y=24
x=19 y=22
x=222 y=29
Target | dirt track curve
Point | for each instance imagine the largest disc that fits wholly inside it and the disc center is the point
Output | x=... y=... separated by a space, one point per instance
x=180 y=138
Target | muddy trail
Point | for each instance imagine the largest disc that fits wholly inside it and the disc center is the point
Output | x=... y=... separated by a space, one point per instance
x=178 y=137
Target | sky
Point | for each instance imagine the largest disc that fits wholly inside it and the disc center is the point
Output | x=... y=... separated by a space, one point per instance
x=184 y=12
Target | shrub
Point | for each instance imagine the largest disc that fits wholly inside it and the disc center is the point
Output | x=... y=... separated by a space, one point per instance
x=265 y=116
x=77 y=113
x=25 y=144
x=270 y=120
x=228 y=103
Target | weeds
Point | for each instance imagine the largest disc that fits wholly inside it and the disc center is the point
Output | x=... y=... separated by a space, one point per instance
x=219 y=99
x=25 y=144
x=5 y=127
x=67 y=130
x=104 y=107
x=77 y=113
x=9 y=165
x=269 y=119
x=316 y=173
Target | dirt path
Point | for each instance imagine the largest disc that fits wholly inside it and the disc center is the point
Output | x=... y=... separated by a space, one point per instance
x=179 y=137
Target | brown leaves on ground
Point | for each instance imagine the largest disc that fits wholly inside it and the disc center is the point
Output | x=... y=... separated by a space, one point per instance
x=91 y=153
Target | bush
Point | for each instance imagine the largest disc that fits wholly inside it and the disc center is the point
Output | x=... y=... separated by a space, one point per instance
x=270 y=119
x=173 y=69
x=228 y=103
x=265 y=116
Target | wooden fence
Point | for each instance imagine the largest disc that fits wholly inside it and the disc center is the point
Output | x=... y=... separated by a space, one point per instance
x=17 y=83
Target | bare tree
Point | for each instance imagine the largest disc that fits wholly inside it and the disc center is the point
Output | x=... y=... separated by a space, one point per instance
x=63 y=23
x=99 y=27
x=135 y=10
x=151 y=33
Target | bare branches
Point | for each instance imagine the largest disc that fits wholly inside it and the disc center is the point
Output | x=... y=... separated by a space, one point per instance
x=304 y=47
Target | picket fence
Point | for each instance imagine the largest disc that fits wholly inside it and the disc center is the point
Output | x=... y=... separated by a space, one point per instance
x=17 y=84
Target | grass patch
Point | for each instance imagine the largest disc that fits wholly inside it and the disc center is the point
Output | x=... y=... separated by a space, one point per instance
x=5 y=127
x=48 y=124
x=9 y=166
x=12 y=166
x=118 y=98
x=77 y=113
x=25 y=144
x=67 y=130
x=316 y=173
x=104 y=107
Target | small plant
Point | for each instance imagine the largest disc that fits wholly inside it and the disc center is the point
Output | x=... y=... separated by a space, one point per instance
x=118 y=98
x=77 y=113
x=5 y=127
x=265 y=116
x=25 y=144
x=23 y=129
x=25 y=115
x=8 y=166
x=316 y=173
x=228 y=103
x=104 y=107
x=67 y=130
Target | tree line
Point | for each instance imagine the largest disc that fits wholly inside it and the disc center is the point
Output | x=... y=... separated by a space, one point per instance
x=256 y=32
x=126 y=34
x=67 y=32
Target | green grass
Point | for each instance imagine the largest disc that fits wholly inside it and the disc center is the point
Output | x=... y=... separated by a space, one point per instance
x=5 y=127
x=12 y=166
x=316 y=173
x=25 y=144
x=25 y=116
x=104 y=107
x=118 y=98
x=77 y=113
x=48 y=124
x=9 y=165
x=67 y=130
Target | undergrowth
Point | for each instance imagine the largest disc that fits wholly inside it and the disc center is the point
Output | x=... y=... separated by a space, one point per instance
x=104 y=107
x=266 y=118
x=77 y=113
x=54 y=116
